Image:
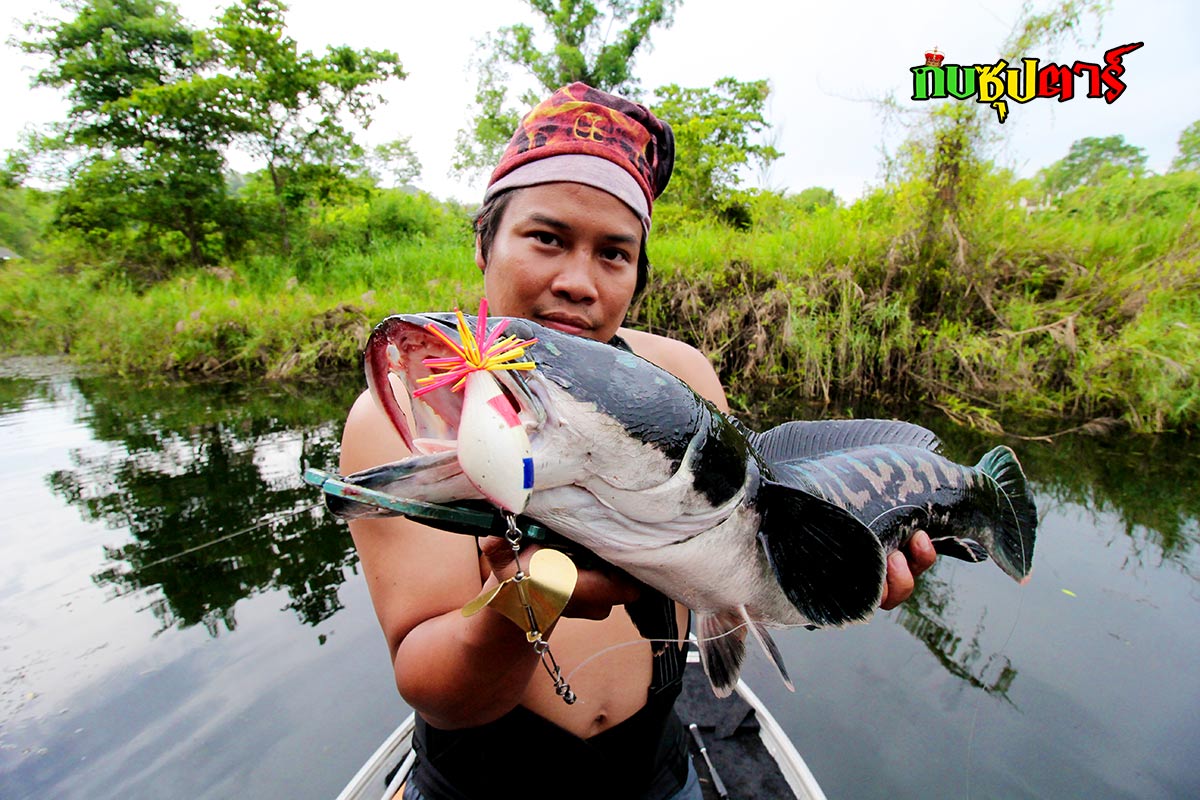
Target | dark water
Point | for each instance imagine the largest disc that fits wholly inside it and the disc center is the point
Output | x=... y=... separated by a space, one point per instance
x=178 y=619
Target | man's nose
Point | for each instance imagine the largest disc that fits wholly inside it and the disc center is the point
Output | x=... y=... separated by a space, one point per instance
x=576 y=280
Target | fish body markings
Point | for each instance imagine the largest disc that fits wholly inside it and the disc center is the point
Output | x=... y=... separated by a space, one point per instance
x=896 y=490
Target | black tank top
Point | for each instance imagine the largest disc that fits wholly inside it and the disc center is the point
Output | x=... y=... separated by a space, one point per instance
x=642 y=758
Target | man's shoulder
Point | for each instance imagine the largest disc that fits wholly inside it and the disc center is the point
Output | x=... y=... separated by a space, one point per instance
x=659 y=349
x=680 y=359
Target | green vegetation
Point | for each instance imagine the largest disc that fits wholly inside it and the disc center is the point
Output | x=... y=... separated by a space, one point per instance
x=154 y=104
x=1072 y=296
x=715 y=137
x=1086 y=307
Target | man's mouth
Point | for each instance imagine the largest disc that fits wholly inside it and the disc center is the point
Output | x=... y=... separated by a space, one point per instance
x=566 y=323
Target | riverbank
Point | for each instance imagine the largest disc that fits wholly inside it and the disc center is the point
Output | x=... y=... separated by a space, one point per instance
x=1086 y=309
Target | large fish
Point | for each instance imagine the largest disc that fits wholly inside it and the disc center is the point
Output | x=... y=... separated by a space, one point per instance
x=787 y=527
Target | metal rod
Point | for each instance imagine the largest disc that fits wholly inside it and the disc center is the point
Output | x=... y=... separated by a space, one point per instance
x=717 y=783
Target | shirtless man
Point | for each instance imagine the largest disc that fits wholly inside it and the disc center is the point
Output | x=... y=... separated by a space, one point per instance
x=561 y=241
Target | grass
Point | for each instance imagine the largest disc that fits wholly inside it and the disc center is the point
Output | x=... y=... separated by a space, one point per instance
x=1089 y=308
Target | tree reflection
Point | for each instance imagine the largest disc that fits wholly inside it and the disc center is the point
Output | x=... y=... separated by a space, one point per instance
x=1147 y=482
x=925 y=615
x=206 y=481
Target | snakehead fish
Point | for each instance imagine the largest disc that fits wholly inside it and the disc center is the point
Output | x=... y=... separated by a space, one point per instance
x=750 y=530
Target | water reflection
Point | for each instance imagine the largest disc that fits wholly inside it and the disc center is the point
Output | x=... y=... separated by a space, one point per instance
x=205 y=479
x=142 y=526
x=925 y=615
x=206 y=482
x=1138 y=479
x=1147 y=481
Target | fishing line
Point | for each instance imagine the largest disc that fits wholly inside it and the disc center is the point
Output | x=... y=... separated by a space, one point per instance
x=692 y=640
x=260 y=524
x=639 y=641
x=894 y=508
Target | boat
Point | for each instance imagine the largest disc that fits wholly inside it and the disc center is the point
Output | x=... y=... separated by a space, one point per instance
x=736 y=742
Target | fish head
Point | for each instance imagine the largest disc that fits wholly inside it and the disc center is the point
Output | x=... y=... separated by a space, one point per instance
x=484 y=418
x=599 y=418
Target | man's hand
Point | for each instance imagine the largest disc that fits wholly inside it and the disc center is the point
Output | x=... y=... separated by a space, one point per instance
x=903 y=567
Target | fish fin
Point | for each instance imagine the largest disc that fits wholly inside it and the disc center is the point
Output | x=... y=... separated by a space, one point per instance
x=653 y=614
x=964 y=549
x=768 y=645
x=830 y=565
x=804 y=439
x=1013 y=545
x=721 y=638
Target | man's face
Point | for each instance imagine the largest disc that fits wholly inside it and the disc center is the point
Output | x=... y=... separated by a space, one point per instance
x=565 y=255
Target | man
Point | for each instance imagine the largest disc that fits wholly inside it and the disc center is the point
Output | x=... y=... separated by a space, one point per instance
x=561 y=241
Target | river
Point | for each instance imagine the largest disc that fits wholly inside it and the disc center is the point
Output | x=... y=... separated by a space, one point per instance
x=179 y=617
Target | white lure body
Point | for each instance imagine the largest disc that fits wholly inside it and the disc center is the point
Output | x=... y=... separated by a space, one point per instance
x=493 y=447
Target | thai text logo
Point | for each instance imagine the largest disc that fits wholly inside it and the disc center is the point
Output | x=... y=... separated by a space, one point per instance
x=996 y=84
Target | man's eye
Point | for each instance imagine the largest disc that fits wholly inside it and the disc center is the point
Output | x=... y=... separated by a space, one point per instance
x=545 y=238
x=615 y=255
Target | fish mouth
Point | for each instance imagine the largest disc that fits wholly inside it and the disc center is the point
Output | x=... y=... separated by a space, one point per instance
x=400 y=346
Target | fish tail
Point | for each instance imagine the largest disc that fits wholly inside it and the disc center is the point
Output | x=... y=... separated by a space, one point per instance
x=1012 y=547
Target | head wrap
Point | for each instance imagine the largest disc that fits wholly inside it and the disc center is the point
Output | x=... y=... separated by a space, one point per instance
x=583 y=135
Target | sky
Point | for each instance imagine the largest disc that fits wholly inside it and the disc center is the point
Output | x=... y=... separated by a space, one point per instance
x=826 y=63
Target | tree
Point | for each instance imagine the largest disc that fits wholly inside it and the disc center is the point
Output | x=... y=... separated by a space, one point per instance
x=285 y=106
x=111 y=58
x=23 y=210
x=397 y=160
x=155 y=104
x=103 y=56
x=1189 y=149
x=1092 y=160
x=715 y=132
x=947 y=153
x=814 y=197
x=596 y=43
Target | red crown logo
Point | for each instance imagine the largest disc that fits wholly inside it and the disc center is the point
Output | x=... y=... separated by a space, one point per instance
x=934 y=57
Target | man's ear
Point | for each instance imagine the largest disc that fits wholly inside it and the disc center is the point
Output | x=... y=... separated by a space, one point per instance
x=479 y=261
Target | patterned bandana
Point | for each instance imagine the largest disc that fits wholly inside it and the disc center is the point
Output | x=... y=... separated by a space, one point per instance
x=583 y=135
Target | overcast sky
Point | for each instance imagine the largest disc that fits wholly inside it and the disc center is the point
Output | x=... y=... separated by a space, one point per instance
x=825 y=61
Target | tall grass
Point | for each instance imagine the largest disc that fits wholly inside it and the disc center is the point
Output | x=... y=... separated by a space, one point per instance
x=1085 y=308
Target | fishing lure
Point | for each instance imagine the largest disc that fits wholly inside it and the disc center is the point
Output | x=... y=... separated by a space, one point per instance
x=493 y=447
